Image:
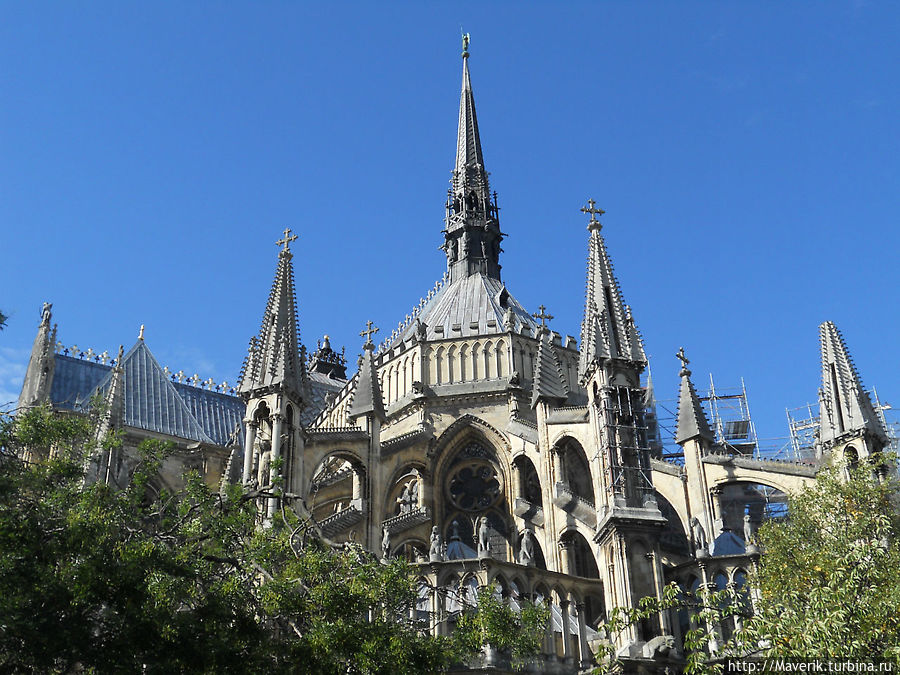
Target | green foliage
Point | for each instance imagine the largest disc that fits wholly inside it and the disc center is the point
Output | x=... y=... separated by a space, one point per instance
x=105 y=580
x=494 y=623
x=3 y=319
x=829 y=581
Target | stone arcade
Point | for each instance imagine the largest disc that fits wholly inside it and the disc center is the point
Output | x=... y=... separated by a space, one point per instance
x=475 y=441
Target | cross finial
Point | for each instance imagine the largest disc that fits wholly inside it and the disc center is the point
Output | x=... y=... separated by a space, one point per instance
x=465 y=45
x=370 y=330
x=684 y=361
x=543 y=316
x=288 y=238
x=593 y=223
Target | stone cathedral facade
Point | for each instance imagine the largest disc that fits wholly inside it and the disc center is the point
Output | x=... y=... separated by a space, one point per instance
x=475 y=441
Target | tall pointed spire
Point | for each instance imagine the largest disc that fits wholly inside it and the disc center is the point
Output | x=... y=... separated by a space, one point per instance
x=608 y=330
x=691 y=419
x=274 y=360
x=845 y=408
x=41 y=365
x=472 y=236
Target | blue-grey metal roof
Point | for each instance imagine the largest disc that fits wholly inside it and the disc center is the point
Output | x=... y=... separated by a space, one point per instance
x=154 y=402
x=320 y=385
x=220 y=415
x=74 y=380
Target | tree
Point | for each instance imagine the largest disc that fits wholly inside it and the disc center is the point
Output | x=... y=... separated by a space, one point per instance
x=826 y=586
x=107 y=580
x=3 y=319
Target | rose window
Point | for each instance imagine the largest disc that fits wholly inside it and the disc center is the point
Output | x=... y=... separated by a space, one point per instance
x=474 y=486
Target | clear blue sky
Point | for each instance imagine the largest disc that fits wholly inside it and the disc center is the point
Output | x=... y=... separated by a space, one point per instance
x=746 y=154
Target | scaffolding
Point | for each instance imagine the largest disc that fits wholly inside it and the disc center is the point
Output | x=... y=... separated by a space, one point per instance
x=729 y=417
x=803 y=424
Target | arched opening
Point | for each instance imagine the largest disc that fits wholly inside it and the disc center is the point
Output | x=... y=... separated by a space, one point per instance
x=741 y=507
x=577 y=557
x=529 y=483
x=336 y=494
x=473 y=488
x=576 y=472
x=673 y=538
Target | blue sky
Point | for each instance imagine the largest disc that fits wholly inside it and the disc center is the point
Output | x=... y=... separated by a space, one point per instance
x=746 y=155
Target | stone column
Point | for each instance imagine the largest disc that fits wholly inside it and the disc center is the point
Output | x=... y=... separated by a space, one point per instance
x=583 y=647
x=665 y=618
x=565 y=556
x=568 y=657
x=277 y=420
x=249 y=441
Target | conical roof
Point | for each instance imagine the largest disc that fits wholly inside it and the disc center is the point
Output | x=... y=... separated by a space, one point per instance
x=367 y=398
x=691 y=419
x=549 y=382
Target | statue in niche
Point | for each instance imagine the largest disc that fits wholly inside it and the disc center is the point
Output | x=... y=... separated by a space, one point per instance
x=436 y=553
x=699 y=536
x=451 y=250
x=483 y=249
x=264 y=453
x=385 y=543
x=748 y=529
x=526 y=550
x=484 y=537
x=409 y=498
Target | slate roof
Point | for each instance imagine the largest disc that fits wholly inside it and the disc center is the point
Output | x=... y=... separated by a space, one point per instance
x=476 y=299
x=152 y=402
x=320 y=385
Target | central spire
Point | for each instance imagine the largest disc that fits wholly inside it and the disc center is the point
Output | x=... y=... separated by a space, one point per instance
x=472 y=236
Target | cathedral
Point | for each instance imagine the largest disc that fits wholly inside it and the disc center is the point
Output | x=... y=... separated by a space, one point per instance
x=475 y=441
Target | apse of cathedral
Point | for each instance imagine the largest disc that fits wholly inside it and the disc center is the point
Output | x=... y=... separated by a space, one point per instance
x=475 y=441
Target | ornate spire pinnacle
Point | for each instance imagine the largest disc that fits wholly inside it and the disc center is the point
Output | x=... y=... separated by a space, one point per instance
x=608 y=330
x=549 y=382
x=112 y=417
x=691 y=420
x=42 y=364
x=367 y=398
x=472 y=236
x=845 y=408
x=275 y=360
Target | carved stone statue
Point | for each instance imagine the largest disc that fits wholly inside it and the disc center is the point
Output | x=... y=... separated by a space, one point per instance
x=436 y=553
x=451 y=250
x=484 y=537
x=699 y=536
x=385 y=543
x=404 y=499
x=264 y=448
x=748 y=529
x=45 y=312
x=421 y=330
x=526 y=550
x=509 y=319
